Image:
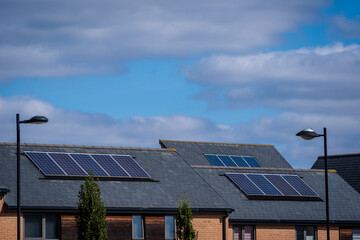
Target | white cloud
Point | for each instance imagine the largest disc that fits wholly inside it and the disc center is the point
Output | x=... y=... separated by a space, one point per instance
x=328 y=63
x=47 y=38
x=320 y=79
x=67 y=127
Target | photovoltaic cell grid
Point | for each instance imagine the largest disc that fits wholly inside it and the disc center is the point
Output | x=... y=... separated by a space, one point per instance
x=232 y=161
x=272 y=185
x=79 y=164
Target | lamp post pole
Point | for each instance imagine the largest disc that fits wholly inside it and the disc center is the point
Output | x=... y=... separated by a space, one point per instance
x=18 y=174
x=33 y=120
x=326 y=185
x=309 y=134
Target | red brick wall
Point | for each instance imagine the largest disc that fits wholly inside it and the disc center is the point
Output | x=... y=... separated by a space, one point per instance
x=8 y=223
x=275 y=232
x=208 y=226
x=334 y=233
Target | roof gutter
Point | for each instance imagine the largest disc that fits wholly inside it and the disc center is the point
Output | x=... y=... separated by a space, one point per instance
x=285 y=221
x=113 y=210
x=4 y=189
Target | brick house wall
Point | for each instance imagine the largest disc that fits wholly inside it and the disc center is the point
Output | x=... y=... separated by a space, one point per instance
x=277 y=232
x=334 y=232
x=8 y=222
x=208 y=226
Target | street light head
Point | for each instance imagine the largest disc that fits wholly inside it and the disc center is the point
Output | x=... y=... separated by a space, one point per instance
x=38 y=120
x=307 y=134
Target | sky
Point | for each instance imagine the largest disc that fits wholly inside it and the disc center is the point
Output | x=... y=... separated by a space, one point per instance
x=128 y=73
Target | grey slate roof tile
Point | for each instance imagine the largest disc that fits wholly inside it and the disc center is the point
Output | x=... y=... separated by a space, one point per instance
x=174 y=178
x=344 y=200
x=193 y=152
x=347 y=166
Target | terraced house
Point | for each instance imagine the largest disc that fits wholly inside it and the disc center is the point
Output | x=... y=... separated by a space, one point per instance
x=237 y=191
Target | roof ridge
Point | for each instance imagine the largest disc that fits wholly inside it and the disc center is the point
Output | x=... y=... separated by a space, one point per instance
x=90 y=146
x=237 y=144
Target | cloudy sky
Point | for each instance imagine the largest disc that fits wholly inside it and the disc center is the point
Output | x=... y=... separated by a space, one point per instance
x=128 y=73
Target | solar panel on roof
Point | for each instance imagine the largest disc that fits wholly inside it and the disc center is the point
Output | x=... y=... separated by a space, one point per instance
x=67 y=164
x=45 y=163
x=129 y=164
x=244 y=183
x=232 y=161
x=251 y=161
x=227 y=161
x=214 y=160
x=280 y=183
x=300 y=185
x=272 y=185
x=79 y=164
x=264 y=184
x=89 y=164
x=240 y=162
x=110 y=166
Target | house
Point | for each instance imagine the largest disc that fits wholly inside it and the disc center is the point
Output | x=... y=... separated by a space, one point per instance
x=273 y=217
x=346 y=165
x=237 y=191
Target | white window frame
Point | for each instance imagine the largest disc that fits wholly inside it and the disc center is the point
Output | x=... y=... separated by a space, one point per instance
x=174 y=225
x=43 y=226
x=142 y=226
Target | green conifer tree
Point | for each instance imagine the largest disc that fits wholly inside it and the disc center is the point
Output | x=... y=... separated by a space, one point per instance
x=91 y=216
x=185 y=230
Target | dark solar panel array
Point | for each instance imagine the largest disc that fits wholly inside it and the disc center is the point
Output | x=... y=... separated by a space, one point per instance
x=232 y=161
x=80 y=164
x=272 y=185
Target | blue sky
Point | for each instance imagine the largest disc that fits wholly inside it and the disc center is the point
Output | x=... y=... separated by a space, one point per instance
x=122 y=73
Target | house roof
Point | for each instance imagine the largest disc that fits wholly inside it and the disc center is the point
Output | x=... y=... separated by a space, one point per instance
x=193 y=152
x=344 y=200
x=173 y=178
x=346 y=165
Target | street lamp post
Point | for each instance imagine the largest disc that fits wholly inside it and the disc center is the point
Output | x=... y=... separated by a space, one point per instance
x=309 y=134
x=33 y=120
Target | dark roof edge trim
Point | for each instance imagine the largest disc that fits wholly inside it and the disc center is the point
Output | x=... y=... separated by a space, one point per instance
x=261 y=169
x=286 y=221
x=123 y=210
x=4 y=189
x=236 y=144
x=342 y=155
x=89 y=146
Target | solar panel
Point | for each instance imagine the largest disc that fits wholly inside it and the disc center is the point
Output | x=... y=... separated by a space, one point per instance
x=45 y=163
x=79 y=164
x=275 y=185
x=239 y=161
x=110 y=166
x=232 y=161
x=67 y=164
x=264 y=184
x=214 y=160
x=244 y=183
x=227 y=161
x=300 y=185
x=89 y=164
x=251 y=161
x=282 y=185
x=129 y=164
